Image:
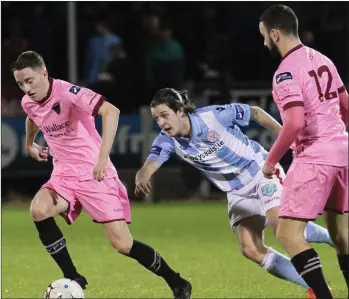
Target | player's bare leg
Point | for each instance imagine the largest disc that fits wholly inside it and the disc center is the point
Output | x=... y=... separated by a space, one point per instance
x=120 y=238
x=44 y=207
x=250 y=233
x=290 y=233
x=338 y=227
x=313 y=232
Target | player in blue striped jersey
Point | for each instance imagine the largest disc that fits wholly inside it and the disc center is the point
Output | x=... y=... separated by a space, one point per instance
x=209 y=139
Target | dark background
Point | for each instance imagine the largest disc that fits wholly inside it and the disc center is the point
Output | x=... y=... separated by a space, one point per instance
x=128 y=50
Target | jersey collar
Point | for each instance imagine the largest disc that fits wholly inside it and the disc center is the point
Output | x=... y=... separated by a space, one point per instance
x=291 y=51
x=195 y=127
x=50 y=80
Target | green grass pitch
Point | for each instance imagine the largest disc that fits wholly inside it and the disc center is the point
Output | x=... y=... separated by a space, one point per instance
x=195 y=239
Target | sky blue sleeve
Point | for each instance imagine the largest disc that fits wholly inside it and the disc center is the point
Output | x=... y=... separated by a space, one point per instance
x=161 y=149
x=235 y=113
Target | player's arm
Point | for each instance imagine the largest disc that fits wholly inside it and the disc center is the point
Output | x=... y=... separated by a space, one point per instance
x=91 y=103
x=342 y=93
x=343 y=101
x=31 y=130
x=36 y=151
x=264 y=119
x=110 y=119
x=289 y=94
x=143 y=177
x=161 y=150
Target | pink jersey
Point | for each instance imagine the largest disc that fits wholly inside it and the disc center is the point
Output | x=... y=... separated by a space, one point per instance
x=66 y=118
x=307 y=78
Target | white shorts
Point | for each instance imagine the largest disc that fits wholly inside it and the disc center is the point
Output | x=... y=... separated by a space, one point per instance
x=256 y=198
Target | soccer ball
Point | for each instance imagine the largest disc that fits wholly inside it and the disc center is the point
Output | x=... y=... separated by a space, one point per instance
x=64 y=288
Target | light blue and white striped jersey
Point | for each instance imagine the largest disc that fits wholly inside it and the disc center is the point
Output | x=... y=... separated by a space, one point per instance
x=217 y=146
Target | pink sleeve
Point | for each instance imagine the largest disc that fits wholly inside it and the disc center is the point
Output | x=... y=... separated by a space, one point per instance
x=343 y=102
x=337 y=81
x=287 y=91
x=85 y=99
x=294 y=122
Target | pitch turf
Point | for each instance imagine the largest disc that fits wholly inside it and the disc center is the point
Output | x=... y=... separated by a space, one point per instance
x=195 y=239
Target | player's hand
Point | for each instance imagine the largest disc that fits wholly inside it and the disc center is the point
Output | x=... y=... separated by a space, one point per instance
x=143 y=189
x=100 y=171
x=268 y=172
x=38 y=153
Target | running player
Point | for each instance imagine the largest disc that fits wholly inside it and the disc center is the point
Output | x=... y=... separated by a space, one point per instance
x=209 y=139
x=83 y=175
x=313 y=104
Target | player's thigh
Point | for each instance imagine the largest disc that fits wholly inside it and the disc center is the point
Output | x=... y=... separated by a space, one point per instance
x=105 y=200
x=273 y=218
x=249 y=233
x=243 y=205
x=47 y=203
x=305 y=190
x=337 y=224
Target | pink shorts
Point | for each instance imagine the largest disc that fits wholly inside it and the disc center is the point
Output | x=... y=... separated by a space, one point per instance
x=309 y=189
x=104 y=201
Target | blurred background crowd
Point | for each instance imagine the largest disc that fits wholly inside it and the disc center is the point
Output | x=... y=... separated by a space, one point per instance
x=128 y=50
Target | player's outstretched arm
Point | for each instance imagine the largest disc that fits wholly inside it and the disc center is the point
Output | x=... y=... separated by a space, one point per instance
x=143 y=176
x=265 y=119
x=110 y=119
x=36 y=151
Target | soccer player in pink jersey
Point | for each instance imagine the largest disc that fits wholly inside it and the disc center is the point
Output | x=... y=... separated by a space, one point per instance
x=313 y=104
x=83 y=175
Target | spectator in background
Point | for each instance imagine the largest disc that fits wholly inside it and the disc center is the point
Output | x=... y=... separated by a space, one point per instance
x=41 y=31
x=98 y=50
x=117 y=81
x=164 y=62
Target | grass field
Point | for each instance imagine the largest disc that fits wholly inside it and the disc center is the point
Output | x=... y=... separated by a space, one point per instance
x=195 y=239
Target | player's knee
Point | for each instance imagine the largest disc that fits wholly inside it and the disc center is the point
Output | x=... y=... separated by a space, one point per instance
x=340 y=237
x=281 y=236
x=250 y=252
x=39 y=211
x=122 y=245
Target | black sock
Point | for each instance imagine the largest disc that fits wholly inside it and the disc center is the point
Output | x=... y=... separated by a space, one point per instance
x=343 y=261
x=151 y=260
x=308 y=265
x=54 y=242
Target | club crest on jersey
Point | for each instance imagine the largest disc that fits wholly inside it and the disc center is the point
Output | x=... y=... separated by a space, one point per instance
x=212 y=136
x=269 y=189
x=283 y=77
x=56 y=108
x=75 y=89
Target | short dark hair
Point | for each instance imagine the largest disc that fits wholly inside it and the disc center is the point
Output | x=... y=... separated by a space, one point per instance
x=174 y=99
x=280 y=17
x=28 y=59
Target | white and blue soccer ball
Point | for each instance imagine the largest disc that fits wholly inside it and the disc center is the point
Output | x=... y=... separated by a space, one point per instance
x=64 y=288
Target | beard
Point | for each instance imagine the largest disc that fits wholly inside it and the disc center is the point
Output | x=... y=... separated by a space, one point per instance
x=273 y=49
